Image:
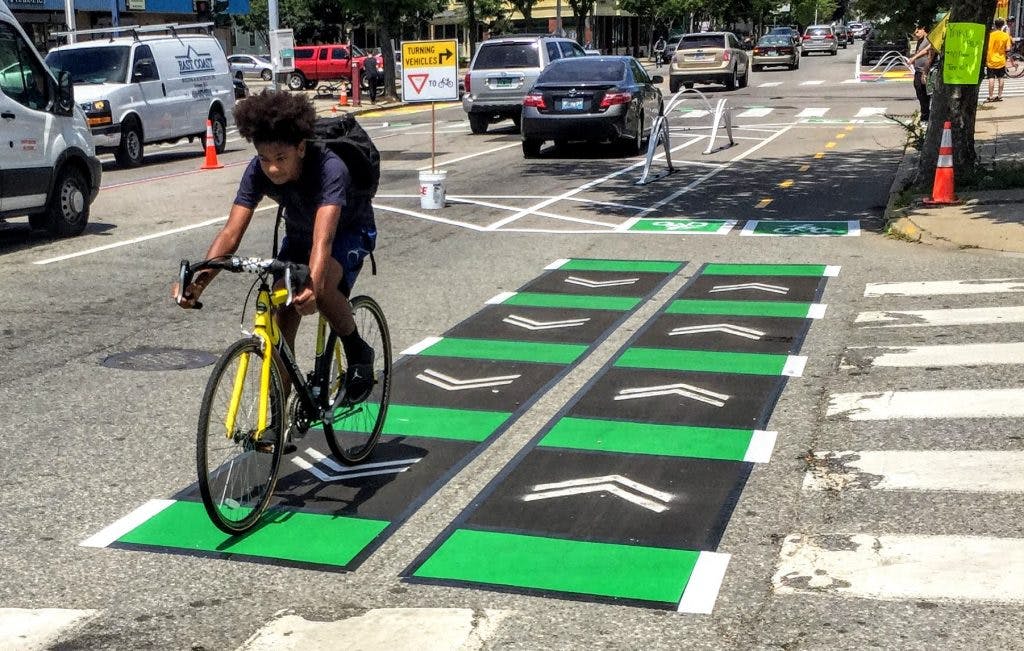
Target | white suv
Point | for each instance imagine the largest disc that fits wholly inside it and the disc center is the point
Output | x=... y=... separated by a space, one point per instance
x=48 y=168
x=148 y=88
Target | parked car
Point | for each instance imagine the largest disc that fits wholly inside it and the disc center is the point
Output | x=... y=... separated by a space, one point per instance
x=709 y=58
x=317 y=63
x=594 y=98
x=156 y=84
x=249 y=65
x=504 y=69
x=881 y=40
x=819 y=38
x=842 y=36
x=670 y=48
x=775 y=50
x=55 y=180
x=790 y=32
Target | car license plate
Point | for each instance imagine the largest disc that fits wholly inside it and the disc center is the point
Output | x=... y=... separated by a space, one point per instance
x=504 y=82
x=574 y=104
x=700 y=57
x=772 y=53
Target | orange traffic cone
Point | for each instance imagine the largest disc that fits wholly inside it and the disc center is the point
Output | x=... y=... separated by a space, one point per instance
x=211 y=150
x=942 y=188
x=343 y=97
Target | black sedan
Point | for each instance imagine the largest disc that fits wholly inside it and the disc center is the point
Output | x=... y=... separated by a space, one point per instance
x=594 y=99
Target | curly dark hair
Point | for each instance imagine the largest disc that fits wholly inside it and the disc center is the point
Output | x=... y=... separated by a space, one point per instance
x=275 y=117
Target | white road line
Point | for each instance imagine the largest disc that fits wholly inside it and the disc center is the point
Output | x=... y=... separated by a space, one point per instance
x=812 y=113
x=759 y=450
x=945 y=287
x=429 y=218
x=701 y=590
x=449 y=161
x=946 y=355
x=687 y=114
x=769 y=84
x=416 y=349
x=893 y=567
x=951 y=317
x=539 y=213
x=115 y=530
x=143 y=238
x=755 y=112
x=964 y=471
x=812 y=82
x=696 y=182
x=39 y=628
x=953 y=403
x=868 y=111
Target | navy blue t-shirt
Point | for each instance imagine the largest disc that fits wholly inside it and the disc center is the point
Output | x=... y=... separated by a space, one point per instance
x=324 y=181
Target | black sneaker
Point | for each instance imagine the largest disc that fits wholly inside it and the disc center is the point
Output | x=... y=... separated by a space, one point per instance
x=267 y=442
x=358 y=383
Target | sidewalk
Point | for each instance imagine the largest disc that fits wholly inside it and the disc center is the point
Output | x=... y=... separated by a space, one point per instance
x=992 y=220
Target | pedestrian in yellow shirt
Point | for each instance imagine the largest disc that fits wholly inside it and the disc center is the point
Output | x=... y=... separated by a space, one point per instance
x=999 y=43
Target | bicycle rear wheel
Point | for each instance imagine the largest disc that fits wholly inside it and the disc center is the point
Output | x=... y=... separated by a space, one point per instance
x=1014 y=65
x=355 y=429
x=237 y=468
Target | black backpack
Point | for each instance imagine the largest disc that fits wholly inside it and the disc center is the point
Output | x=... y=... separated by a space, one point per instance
x=347 y=138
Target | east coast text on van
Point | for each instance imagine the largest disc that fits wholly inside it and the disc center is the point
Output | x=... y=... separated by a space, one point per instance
x=193 y=62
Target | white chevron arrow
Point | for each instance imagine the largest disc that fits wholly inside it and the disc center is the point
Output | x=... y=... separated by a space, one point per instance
x=685 y=390
x=617 y=485
x=774 y=289
x=727 y=328
x=342 y=473
x=573 y=280
x=449 y=383
x=530 y=324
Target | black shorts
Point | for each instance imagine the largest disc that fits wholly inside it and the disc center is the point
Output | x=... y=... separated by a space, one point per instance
x=995 y=73
x=348 y=249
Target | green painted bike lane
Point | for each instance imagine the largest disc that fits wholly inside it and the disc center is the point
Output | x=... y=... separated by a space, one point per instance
x=625 y=495
x=451 y=396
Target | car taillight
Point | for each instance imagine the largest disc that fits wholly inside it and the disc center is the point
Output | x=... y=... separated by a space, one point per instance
x=611 y=99
x=725 y=55
x=465 y=82
x=806 y=37
x=758 y=50
x=829 y=36
x=536 y=100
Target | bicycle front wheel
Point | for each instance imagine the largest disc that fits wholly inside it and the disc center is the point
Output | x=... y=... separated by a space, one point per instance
x=237 y=464
x=1014 y=65
x=354 y=429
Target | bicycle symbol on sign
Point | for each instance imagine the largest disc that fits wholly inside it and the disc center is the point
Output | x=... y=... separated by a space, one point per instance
x=680 y=226
x=806 y=229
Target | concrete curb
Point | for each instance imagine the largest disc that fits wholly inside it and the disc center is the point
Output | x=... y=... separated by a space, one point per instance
x=896 y=220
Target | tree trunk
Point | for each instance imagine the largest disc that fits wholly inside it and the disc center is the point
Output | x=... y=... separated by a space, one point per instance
x=957 y=104
x=390 y=92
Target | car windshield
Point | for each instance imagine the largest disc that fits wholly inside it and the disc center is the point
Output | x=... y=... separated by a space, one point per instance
x=775 y=39
x=702 y=41
x=264 y=59
x=92 y=65
x=358 y=51
x=781 y=30
x=582 y=69
x=819 y=31
x=501 y=56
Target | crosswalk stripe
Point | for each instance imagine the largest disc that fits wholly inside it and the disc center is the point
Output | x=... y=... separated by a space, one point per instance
x=942 y=355
x=770 y=84
x=24 y=628
x=959 y=568
x=945 y=287
x=953 y=403
x=755 y=112
x=812 y=82
x=868 y=111
x=965 y=471
x=812 y=113
x=950 y=317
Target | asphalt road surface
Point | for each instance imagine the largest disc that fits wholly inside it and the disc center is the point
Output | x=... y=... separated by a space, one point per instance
x=773 y=427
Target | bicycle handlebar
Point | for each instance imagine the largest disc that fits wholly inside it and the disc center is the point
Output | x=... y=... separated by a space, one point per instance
x=295 y=275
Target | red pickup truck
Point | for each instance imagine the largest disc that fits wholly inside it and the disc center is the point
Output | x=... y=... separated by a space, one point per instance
x=317 y=63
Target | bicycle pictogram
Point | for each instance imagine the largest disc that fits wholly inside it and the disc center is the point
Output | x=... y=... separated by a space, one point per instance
x=680 y=225
x=806 y=229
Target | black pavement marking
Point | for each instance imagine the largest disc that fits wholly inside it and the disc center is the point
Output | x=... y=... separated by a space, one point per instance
x=743 y=334
x=799 y=289
x=408 y=389
x=555 y=282
x=490 y=323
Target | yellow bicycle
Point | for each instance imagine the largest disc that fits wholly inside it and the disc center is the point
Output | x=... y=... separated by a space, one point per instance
x=245 y=421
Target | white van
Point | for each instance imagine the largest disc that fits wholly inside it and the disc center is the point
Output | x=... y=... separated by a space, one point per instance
x=48 y=166
x=156 y=85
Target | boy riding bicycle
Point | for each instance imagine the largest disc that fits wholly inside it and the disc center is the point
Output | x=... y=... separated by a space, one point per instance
x=326 y=226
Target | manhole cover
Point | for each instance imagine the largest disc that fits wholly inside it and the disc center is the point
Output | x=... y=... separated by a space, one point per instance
x=159 y=359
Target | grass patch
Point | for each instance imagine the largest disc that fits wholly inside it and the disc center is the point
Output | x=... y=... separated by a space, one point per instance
x=1000 y=175
x=912 y=126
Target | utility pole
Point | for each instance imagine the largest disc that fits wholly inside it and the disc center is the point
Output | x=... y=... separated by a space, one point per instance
x=558 y=18
x=69 y=18
x=273 y=20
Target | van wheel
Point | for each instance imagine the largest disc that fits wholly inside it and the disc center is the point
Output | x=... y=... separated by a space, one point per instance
x=673 y=85
x=518 y=121
x=296 y=81
x=531 y=147
x=220 y=132
x=266 y=75
x=129 y=152
x=635 y=145
x=68 y=210
x=478 y=123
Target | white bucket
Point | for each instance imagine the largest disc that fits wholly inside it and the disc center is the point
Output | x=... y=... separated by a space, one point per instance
x=432 y=190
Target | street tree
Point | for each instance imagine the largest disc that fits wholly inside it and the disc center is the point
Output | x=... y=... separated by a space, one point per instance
x=581 y=9
x=525 y=7
x=957 y=104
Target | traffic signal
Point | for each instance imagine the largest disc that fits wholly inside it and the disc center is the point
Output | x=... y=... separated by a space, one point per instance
x=221 y=18
x=202 y=9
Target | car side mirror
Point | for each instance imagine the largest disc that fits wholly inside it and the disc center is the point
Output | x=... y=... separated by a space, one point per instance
x=657 y=79
x=65 y=94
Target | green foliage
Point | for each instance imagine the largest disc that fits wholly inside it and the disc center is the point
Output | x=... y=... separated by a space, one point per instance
x=900 y=15
x=803 y=11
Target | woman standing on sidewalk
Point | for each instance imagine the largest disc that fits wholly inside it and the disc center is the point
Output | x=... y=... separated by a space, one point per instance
x=922 y=62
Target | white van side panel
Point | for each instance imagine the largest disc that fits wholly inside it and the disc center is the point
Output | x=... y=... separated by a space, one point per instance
x=197 y=76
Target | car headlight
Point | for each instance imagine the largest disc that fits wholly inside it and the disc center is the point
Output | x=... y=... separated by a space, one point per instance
x=99 y=105
x=97 y=113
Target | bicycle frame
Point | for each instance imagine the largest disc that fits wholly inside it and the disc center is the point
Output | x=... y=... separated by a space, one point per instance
x=266 y=329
